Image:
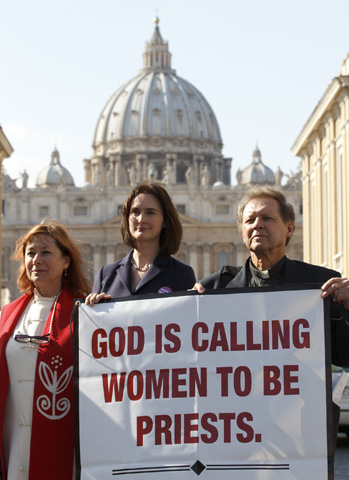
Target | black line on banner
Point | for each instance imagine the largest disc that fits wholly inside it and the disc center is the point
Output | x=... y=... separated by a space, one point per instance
x=328 y=375
x=211 y=467
x=248 y=468
x=247 y=465
x=75 y=314
x=137 y=471
x=148 y=468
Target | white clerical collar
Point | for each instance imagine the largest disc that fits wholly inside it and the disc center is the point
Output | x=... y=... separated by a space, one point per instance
x=264 y=274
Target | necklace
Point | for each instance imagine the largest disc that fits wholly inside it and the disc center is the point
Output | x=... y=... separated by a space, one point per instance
x=140 y=269
x=39 y=339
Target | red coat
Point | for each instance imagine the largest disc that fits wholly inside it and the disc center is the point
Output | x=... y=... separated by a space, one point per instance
x=52 y=438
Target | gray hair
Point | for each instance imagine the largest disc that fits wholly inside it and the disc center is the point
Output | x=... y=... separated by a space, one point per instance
x=286 y=209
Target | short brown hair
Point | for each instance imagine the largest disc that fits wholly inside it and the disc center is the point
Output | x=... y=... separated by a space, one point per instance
x=171 y=234
x=286 y=209
x=75 y=281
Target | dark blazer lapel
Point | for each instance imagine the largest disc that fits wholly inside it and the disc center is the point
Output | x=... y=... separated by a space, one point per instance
x=155 y=270
x=124 y=272
x=240 y=280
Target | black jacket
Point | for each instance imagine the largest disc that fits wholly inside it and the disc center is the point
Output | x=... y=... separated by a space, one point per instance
x=166 y=274
x=295 y=272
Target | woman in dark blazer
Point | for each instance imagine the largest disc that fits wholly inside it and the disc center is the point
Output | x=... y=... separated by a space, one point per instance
x=151 y=227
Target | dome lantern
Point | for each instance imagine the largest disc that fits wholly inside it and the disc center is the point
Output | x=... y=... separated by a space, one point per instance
x=54 y=174
x=156 y=56
x=256 y=172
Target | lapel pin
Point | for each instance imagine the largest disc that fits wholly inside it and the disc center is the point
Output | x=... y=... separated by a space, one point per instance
x=165 y=290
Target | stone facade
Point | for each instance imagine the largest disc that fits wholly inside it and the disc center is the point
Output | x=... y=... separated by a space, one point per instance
x=5 y=151
x=156 y=126
x=323 y=145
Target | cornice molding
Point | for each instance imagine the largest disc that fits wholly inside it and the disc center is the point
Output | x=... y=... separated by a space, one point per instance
x=323 y=106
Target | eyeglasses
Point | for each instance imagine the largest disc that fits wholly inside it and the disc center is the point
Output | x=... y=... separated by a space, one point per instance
x=38 y=339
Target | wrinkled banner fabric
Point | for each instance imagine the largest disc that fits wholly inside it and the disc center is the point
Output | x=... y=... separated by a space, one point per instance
x=230 y=384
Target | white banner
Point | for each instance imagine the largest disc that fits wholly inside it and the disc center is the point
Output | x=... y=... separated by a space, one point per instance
x=224 y=385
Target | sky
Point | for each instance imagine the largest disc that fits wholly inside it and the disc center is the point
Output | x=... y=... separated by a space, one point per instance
x=261 y=65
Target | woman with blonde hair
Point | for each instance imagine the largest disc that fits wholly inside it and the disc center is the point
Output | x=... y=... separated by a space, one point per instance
x=36 y=357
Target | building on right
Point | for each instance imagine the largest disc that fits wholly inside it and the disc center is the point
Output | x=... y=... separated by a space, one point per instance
x=323 y=145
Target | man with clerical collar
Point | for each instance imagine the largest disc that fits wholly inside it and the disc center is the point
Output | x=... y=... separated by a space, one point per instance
x=265 y=278
x=266 y=222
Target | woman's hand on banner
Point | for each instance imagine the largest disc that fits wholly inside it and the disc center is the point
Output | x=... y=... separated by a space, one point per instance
x=94 y=298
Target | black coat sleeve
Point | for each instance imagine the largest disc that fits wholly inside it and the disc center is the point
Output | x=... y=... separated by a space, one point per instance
x=212 y=281
x=97 y=284
x=187 y=280
x=339 y=335
x=221 y=278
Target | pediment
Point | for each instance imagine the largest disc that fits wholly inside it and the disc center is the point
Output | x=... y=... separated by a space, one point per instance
x=186 y=220
x=219 y=197
x=112 y=221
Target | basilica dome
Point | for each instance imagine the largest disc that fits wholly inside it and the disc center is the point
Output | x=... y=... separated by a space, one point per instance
x=256 y=172
x=157 y=120
x=54 y=174
x=157 y=103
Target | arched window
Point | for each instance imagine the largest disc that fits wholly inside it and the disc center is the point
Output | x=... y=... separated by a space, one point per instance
x=181 y=169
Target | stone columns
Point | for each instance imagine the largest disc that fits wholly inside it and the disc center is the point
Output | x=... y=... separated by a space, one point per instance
x=198 y=160
x=332 y=211
x=118 y=170
x=345 y=140
x=111 y=174
x=218 y=169
x=207 y=260
x=141 y=167
x=110 y=256
x=98 y=174
x=193 y=259
x=317 y=226
x=170 y=169
x=97 y=259
x=306 y=202
x=87 y=170
x=241 y=254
